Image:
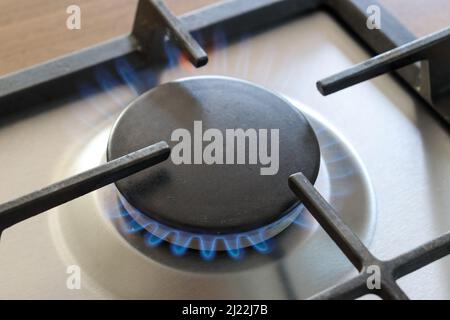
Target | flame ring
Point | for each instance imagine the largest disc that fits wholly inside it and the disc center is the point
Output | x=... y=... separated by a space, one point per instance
x=207 y=244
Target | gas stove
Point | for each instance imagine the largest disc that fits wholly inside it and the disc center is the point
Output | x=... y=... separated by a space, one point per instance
x=211 y=167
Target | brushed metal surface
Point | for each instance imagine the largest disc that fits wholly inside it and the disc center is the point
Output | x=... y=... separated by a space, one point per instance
x=301 y=263
x=403 y=147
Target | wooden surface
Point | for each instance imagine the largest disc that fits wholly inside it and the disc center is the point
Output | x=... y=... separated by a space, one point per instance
x=421 y=17
x=32 y=31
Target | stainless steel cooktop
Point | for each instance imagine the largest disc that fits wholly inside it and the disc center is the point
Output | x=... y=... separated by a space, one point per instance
x=395 y=197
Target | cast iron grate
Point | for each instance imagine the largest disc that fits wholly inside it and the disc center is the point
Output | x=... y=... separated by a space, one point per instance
x=359 y=255
x=154 y=22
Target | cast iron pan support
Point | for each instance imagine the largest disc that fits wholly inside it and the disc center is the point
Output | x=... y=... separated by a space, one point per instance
x=154 y=23
x=432 y=81
x=32 y=204
x=359 y=255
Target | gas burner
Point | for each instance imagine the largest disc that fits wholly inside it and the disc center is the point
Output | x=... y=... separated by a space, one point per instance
x=145 y=236
x=227 y=205
x=90 y=228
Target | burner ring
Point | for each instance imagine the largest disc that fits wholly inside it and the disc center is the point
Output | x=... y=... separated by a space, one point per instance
x=218 y=199
x=207 y=244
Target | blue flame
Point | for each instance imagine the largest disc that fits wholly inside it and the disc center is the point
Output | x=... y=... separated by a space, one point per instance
x=207 y=252
x=133 y=227
x=152 y=240
x=207 y=246
x=127 y=73
x=137 y=81
x=122 y=72
x=233 y=248
x=172 y=53
x=258 y=243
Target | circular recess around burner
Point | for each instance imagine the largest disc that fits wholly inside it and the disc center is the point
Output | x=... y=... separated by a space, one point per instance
x=222 y=197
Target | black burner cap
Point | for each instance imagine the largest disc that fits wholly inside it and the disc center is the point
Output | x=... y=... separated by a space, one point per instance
x=216 y=198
